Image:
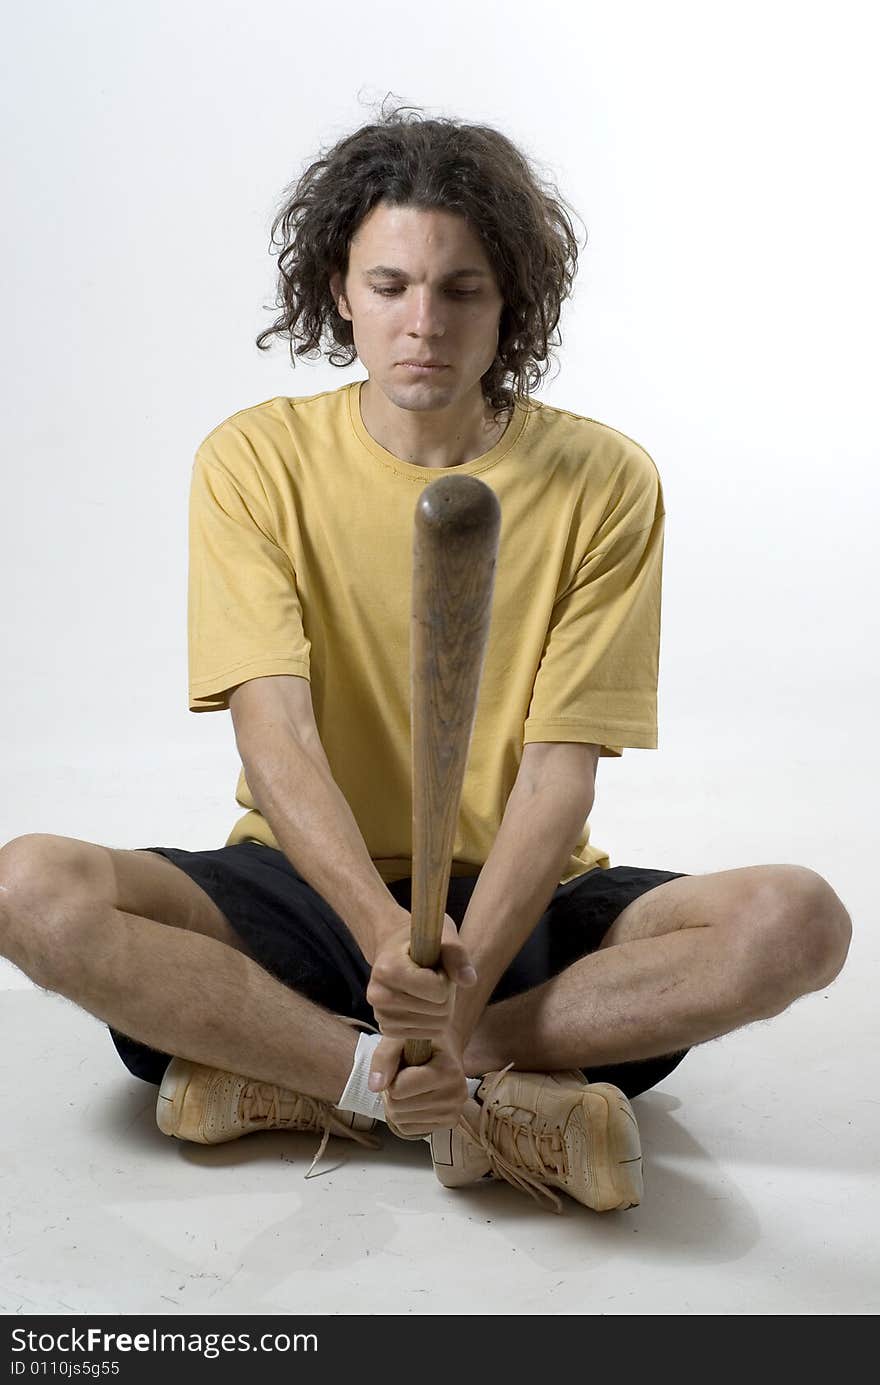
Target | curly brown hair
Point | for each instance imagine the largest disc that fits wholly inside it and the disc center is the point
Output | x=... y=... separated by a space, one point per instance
x=471 y=170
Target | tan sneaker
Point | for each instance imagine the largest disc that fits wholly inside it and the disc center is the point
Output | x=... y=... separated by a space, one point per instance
x=210 y=1106
x=539 y=1131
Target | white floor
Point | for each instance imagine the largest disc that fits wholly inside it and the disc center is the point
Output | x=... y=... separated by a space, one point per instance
x=761 y=1168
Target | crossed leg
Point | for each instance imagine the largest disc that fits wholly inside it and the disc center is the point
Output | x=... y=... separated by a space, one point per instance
x=688 y=961
x=130 y=938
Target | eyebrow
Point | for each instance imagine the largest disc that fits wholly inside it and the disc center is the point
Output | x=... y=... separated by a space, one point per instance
x=387 y=271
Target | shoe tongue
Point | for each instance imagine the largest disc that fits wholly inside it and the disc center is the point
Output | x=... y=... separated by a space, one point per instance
x=489 y=1083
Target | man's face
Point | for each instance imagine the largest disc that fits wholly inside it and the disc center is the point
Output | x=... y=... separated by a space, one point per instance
x=427 y=310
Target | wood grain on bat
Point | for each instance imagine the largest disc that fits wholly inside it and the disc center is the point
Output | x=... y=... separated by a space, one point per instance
x=455 y=548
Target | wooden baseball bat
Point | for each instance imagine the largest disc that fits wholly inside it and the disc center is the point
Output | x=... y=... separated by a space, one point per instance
x=455 y=548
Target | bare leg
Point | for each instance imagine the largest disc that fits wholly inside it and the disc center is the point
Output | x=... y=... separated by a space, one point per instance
x=690 y=960
x=199 y=999
x=179 y=991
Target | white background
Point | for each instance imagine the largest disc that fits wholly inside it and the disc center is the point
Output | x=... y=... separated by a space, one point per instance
x=725 y=316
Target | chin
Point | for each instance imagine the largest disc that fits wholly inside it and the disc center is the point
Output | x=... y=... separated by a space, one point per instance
x=415 y=393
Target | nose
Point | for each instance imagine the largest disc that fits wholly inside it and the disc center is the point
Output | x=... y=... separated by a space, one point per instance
x=425 y=313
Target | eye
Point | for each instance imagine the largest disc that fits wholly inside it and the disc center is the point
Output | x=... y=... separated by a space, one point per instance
x=456 y=293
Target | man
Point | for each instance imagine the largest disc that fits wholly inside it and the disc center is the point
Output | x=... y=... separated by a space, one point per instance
x=267 y=983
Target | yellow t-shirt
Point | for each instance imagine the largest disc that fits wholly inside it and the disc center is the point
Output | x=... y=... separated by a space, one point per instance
x=300 y=562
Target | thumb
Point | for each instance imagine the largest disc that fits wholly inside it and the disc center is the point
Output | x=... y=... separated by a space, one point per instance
x=453 y=955
x=386 y=1061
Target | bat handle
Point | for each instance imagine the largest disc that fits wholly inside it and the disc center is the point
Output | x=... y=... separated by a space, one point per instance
x=455 y=549
x=417 y=1051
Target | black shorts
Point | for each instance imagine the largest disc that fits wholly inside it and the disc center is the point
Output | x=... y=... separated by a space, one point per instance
x=295 y=935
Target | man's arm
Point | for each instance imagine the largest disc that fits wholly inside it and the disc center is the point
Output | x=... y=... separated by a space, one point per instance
x=547 y=808
x=279 y=746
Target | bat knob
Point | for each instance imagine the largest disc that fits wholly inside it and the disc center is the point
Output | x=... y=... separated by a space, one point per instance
x=458 y=505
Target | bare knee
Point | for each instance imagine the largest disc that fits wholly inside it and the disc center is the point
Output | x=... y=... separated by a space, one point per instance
x=48 y=887
x=829 y=932
x=798 y=939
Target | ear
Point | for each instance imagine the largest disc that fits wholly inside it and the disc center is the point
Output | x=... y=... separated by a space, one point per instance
x=338 y=292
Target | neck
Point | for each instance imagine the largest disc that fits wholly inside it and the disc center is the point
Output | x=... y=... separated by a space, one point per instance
x=431 y=437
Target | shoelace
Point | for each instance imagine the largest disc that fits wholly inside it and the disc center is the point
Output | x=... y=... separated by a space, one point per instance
x=261 y=1101
x=533 y=1167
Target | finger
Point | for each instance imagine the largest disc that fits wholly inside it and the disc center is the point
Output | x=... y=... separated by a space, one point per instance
x=418 y=1087
x=419 y=1129
x=409 y=1033
x=454 y=957
x=413 y=1085
x=424 y=984
x=457 y=965
x=437 y=1111
x=386 y=1061
x=402 y=1003
x=414 y=1026
x=443 y=1117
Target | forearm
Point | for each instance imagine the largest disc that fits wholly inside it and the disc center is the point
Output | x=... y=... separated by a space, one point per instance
x=294 y=789
x=528 y=858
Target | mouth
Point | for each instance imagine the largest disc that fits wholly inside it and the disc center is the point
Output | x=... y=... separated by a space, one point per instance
x=422 y=367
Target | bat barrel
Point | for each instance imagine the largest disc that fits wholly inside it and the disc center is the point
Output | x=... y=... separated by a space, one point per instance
x=455 y=548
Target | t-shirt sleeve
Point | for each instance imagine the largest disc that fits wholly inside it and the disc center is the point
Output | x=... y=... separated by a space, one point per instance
x=597 y=679
x=245 y=618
